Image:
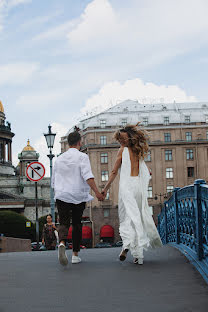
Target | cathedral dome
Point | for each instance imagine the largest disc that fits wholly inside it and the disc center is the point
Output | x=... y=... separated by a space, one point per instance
x=28 y=147
x=1 y=107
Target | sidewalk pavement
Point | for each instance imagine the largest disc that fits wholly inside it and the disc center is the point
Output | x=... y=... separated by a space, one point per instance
x=35 y=282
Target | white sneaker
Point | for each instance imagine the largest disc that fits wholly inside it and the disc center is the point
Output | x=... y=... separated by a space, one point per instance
x=138 y=261
x=76 y=259
x=62 y=254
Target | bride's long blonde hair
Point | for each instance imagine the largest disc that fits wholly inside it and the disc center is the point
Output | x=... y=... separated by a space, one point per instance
x=137 y=139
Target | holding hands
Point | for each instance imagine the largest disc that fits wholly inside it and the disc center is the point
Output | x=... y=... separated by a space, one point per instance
x=100 y=196
x=104 y=193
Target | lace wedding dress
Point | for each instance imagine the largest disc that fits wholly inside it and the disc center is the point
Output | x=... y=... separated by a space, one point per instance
x=137 y=228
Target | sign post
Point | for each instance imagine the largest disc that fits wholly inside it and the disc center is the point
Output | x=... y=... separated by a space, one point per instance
x=35 y=172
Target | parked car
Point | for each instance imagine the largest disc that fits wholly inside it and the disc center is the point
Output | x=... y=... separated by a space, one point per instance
x=103 y=245
x=118 y=244
x=82 y=247
x=69 y=246
x=34 y=246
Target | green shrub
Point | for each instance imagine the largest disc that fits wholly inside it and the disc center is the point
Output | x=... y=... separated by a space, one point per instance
x=13 y=224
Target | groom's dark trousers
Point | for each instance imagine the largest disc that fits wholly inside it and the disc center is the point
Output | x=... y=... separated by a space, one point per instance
x=68 y=211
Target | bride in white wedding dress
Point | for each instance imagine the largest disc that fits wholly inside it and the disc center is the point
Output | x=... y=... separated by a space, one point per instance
x=137 y=228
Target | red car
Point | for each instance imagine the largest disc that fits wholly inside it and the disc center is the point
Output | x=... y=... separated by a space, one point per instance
x=69 y=246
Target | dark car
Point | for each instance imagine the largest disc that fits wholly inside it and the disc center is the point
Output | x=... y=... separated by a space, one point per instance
x=103 y=245
x=118 y=244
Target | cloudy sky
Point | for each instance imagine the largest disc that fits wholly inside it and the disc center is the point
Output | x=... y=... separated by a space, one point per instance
x=62 y=59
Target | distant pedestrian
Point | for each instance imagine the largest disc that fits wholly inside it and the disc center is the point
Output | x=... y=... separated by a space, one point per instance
x=72 y=179
x=137 y=228
x=49 y=238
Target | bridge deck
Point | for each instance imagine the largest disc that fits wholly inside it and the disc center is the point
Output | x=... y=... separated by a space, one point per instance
x=167 y=282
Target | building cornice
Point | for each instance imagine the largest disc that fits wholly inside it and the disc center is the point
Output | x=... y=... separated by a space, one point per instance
x=178 y=142
x=149 y=128
x=156 y=143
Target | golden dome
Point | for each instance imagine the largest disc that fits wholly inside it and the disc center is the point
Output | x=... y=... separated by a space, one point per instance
x=28 y=147
x=1 y=107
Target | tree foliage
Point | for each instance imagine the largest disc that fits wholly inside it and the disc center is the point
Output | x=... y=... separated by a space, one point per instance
x=13 y=224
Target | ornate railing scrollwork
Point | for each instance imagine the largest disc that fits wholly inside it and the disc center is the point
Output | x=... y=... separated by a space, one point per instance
x=183 y=220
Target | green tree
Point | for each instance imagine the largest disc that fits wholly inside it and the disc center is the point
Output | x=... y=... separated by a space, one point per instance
x=13 y=224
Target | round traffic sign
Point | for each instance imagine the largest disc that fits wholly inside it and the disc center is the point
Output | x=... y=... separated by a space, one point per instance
x=35 y=171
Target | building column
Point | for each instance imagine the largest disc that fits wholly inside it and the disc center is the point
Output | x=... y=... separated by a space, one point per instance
x=0 y=152
x=9 y=152
x=3 y=151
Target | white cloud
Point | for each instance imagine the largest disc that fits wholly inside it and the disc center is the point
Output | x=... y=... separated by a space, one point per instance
x=17 y=73
x=114 y=92
x=58 y=32
x=40 y=20
x=144 y=30
x=97 y=23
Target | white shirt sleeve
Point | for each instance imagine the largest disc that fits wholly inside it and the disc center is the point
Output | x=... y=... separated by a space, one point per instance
x=86 y=170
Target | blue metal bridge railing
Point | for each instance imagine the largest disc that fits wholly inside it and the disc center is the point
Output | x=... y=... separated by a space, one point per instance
x=183 y=223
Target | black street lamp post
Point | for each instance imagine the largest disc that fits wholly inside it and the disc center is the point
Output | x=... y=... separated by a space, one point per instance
x=50 y=137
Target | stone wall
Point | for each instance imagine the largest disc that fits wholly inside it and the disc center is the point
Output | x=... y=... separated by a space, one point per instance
x=10 y=244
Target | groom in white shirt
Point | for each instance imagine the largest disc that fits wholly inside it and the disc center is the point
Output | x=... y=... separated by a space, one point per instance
x=72 y=180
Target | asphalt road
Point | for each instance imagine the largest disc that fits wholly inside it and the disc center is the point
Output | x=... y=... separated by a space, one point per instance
x=35 y=282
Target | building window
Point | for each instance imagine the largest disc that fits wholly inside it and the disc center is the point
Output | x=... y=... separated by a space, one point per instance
x=169 y=173
x=148 y=157
x=104 y=176
x=104 y=158
x=166 y=121
x=190 y=172
x=103 y=140
x=189 y=154
x=188 y=136
x=102 y=123
x=108 y=195
x=207 y=135
x=168 y=155
x=206 y=118
x=145 y=121
x=167 y=137
x=170 y=188
x=124 y=122
x=187 y=119
x=149 y=191
x=106 y=212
